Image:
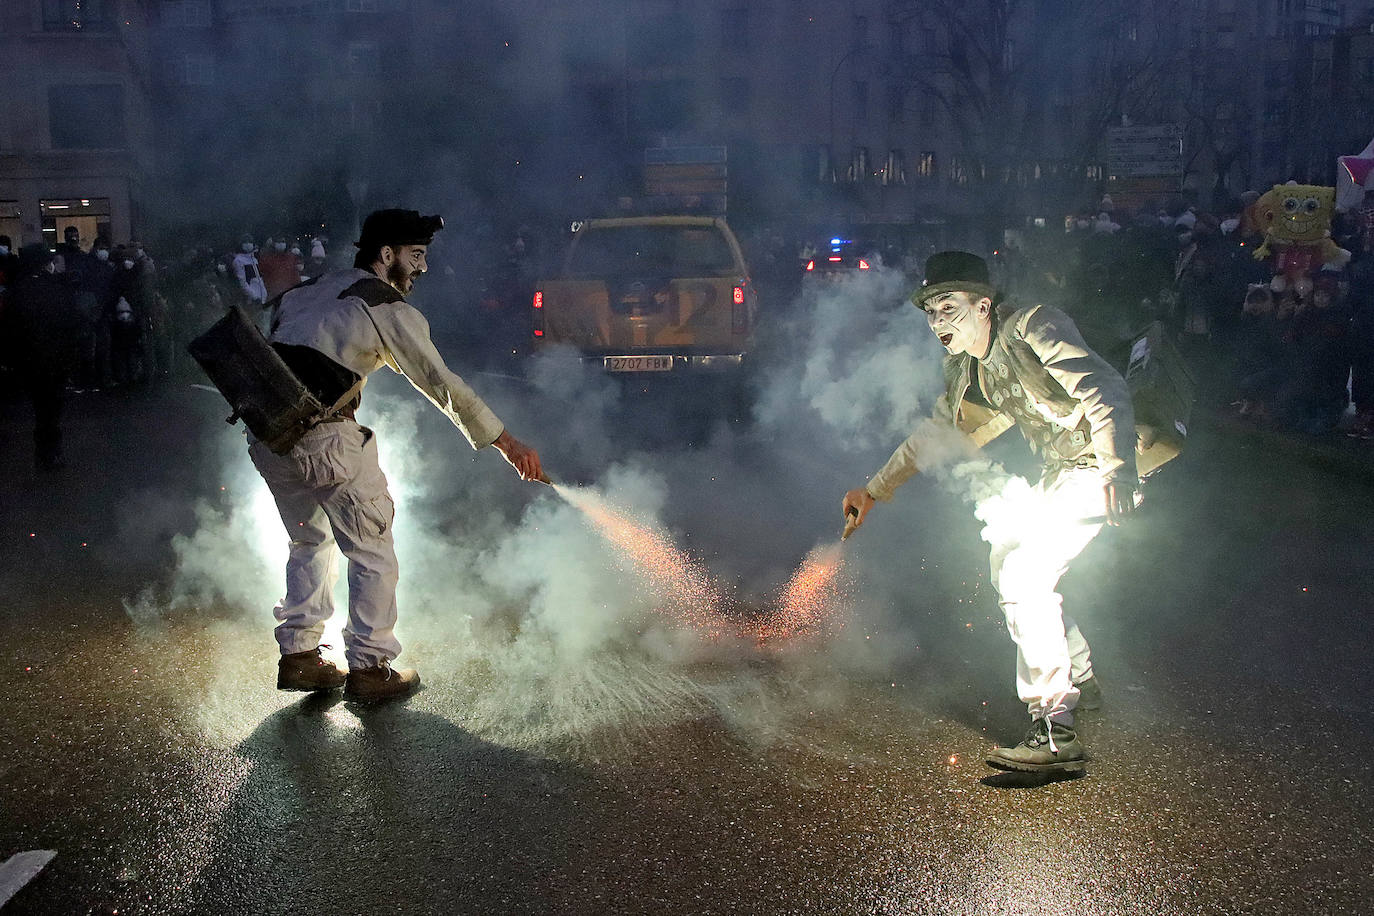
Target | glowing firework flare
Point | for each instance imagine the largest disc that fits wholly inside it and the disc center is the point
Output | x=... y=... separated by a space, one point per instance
x=808 y=605
x=812 y=601
x=686 y=588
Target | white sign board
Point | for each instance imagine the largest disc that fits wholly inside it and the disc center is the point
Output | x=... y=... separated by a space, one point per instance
x=1154 y=151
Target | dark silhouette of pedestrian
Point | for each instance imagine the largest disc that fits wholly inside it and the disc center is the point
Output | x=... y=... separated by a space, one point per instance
x=42 y=323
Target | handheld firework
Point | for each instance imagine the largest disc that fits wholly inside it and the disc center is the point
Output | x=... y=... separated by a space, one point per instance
x=851 y=522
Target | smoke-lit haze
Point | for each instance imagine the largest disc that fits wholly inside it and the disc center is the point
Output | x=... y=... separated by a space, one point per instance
x=527 y=607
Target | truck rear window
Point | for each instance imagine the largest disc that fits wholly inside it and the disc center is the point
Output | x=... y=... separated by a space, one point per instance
x=663 y=251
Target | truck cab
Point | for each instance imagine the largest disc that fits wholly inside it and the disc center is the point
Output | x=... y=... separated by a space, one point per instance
x=650 y=294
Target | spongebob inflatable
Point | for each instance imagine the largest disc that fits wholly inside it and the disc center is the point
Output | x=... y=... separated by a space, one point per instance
x=1296 y=222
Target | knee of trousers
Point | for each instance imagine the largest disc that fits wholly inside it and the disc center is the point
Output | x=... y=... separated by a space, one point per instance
x=1023 y=577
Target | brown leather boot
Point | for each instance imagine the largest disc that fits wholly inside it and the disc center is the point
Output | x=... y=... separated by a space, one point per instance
x=308 y=671
x=369 y=685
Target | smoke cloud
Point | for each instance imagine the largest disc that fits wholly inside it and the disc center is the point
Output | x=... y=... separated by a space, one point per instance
x=517 y=607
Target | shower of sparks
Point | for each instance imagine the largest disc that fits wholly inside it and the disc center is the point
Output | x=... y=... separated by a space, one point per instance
x=810 y=604
x=685 y=588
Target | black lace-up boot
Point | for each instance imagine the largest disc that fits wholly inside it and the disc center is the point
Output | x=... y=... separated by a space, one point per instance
x=308 y=671
x=368 y=685
x=1049 y=747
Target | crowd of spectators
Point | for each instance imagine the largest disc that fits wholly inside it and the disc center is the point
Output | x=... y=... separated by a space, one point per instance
x=1299 y=358
x=75 y=318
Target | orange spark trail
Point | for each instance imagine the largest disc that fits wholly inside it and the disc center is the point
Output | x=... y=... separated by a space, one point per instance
x=813 y=602
x=686 y=589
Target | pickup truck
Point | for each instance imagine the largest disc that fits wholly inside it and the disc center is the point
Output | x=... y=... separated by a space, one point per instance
x=650 y=294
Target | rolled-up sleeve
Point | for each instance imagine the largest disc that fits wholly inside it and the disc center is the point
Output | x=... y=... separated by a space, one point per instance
x=408 y=350
x=1090 y=380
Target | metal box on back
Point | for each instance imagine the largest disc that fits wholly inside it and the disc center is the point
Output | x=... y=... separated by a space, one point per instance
x=257 y=383
x=1162 y=392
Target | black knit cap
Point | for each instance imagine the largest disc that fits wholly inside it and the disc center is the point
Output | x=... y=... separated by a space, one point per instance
x=954 y=271
x=398 y=227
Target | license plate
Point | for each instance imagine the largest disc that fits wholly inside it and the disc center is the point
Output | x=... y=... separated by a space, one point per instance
x=637 y=363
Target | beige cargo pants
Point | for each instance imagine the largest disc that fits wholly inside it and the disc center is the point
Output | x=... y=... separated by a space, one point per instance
x=330 y=490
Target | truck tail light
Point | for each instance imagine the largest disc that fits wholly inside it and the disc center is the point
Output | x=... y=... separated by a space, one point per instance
x=811 y=265
x=739 y=316
x=863 y=265
x=538 y=317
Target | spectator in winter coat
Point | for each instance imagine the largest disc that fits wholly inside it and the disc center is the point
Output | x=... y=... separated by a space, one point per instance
x=42 y=326
x=249 y=274
x=281 y=269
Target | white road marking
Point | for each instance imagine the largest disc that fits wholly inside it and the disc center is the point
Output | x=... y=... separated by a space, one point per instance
x=20 y=869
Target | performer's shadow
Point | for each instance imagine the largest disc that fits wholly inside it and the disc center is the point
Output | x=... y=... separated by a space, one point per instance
x=385 y=807
x=1010 y=779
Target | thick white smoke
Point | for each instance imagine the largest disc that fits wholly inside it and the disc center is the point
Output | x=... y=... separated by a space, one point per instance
x=518 y=610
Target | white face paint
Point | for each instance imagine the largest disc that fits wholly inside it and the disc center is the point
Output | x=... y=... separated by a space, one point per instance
x=962 y=322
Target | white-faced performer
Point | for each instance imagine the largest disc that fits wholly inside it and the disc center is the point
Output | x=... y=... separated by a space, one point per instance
x=1029 y=366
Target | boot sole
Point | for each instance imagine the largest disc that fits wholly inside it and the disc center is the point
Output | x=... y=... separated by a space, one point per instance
x=1065 y=766
x=297 y=688
x=380 y=697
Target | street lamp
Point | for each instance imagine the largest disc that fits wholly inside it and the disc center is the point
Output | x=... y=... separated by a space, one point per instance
x=863 y=46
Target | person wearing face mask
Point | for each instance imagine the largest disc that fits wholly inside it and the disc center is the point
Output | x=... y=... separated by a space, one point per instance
x=249 y=274
x=128 y=316
x=318 y=262
x=281 y=269
x=42 y=326
x=334 y=332
x=96 y=300
x=1028 y=367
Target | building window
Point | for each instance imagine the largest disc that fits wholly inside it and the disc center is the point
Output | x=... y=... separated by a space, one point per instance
x=186 y=14
x=195 y=70
x=816 y=166
x=858 y=164
x=86 y=117
x=77 y=15
x=363 y=59
x=734 y=29
x=957 y=173
x=894 y=171
x=89 y=215
x=11 y=224
x=926 y=167
x=734 y=95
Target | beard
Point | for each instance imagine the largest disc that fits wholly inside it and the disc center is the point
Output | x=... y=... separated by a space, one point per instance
x=401 y=278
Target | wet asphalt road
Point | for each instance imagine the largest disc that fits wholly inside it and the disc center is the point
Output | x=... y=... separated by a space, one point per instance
x=1230 y=771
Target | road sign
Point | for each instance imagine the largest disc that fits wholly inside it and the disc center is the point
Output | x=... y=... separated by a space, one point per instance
x=1152 y=151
